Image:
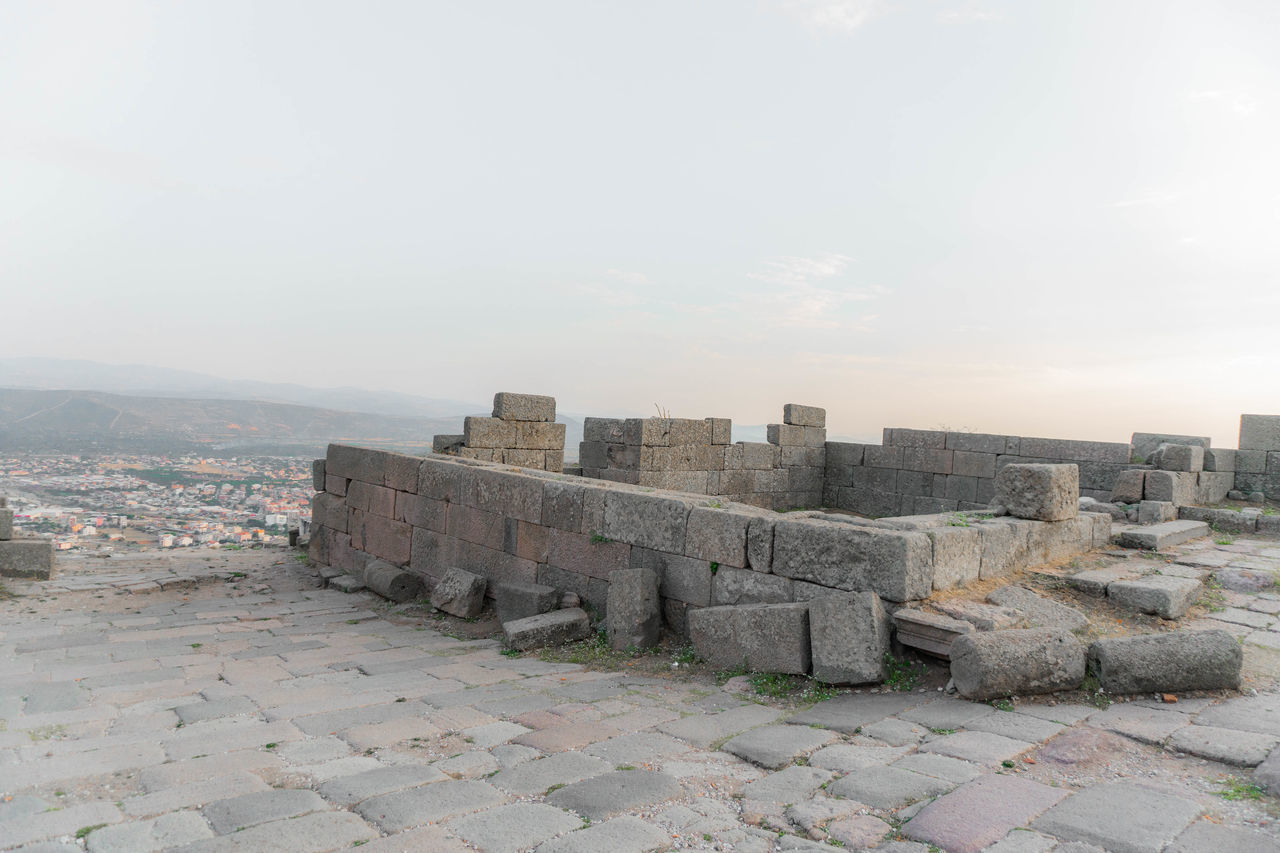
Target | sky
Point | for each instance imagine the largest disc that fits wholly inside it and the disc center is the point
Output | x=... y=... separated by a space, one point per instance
x=1052 y=219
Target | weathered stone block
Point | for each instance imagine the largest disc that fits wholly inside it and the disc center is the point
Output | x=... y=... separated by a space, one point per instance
x=647 y=520
x=653 y=432
x=1144 y=444
x=592 y=592
x=450 y=443
x=1182 y=457
x=514 y=600
x=766 y=637
x=392 y=582
x=1164 y=535
x=378 y=500
x=402 y=472
x=921 y=438
x=849 y=637
x=1212 y=486
x=1019 y=662
x=844 y=453
x=1156 y=512
x=1174 y=487
x=879 y=479
x=682 y=578
x=968 y=464
x=481 y=432
x=898 y=566
x=635 y=611
x=26 y=558
x=459 y=593
x=329 y=510
x=957 y=556
x=926 y=459
x=602 y=429
x=1005 y=546
x=507 y=493
x=540 y=436
x=882 y=456
x=336 y=485
x=1251 y=461
x=1129 y=486
x=962 y=488
x=798 y=415
x=1040 y=492
x=760 y=544
x=383 y=537
x=1259 y=432
x=356 y=463
x=1219 y=459
x=718 y=536
x=976 y=442
x=438 y=479
x=317 y=474
x=929 y=632
x=1161 y=595
x=548 y=629
x=1076 y=451
x=523 y=407
x=1167 y=663
x=586 y=553
x=690 y=431
x=522 y=458
x=784 y=434
x=743 y=586
x=477 y=526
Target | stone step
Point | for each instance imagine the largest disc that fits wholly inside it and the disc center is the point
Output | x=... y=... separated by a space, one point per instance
x=1166 y=535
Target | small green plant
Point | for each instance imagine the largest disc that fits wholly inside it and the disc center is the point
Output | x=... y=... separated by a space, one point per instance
x=715 y=504
x=353 y=621
x=271 y=745
x=625 y=767
x=1002 y=704
x=85 y=830
x=706 y=836
x=1007 y=764
x=715 y=567
x=402 y=699
x=1093 y=688
x=599 y=539
x=196 y=645
x=511 y=653
x=1224 y=540
x=903 y=675
x=958 y=519
x=1234 y=788
x=554 y=788
x=684 y=655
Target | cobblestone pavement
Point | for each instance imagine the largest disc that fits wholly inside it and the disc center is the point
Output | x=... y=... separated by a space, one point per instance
x=229 y=704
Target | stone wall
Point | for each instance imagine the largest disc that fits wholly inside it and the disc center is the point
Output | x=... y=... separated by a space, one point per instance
x=697 y=456
x=916 y=472
x=1257 y=462
x=571 y=533
x=522 y=432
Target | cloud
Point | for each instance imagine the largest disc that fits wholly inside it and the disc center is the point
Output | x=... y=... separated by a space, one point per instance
x=796 y=300
x=841 y=15
x=1238 y=102
x=1150 y=198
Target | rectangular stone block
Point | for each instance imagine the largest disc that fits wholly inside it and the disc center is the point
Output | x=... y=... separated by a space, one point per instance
x=482 y=454
x=523 y=407
x=882 y=456
x=962 y=488
x=815 y=437
x=654 y=432
x=402 y=472
x=488 y=433
x=766 y=637
x=1005 y=546
x=1182 y=457
x=781 y=434
x=356 y=463
x=1129 y=486
x=593 y=555
x=1251 y=461
x=317 y=474
x=870 y=502
x=386 y=538
x=682 y=578
x=539 y=436
x=336 y=485
x=760 y=544
x=650 y=521
x=533 y=459
x=696 y=482
x=689 y=431
x=977 y=442
x=1212 y=486
x=602 y=429
x=929 y=632
x=957 y=555
x=1040 y=492
x=1164 y=535
x=759 y=456
x=848 y=638
x=1146 y=443
x=1260 y=432
x=922 y=506
x=880 y=479
x=844 y=453
x=798 y=415
x=554 y=461
x=930 y=439
x=897 y=566
x=721 y=430
x=593 y=454
x=744 y=586
x=26 y=558
x=502 y=492
x=1174 y=487
x=718 y=536
x=548 y=629
x=1219 y=459
x=378 y=500
x=1075 y=451
x=449 y=443
x=522 y=600
x=421 y=511
x=1156 y=512
x=330 y=511
x=970 y=464
x=926 y=459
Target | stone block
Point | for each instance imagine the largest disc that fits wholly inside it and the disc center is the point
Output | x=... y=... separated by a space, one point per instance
x=1212 y=486
x=449 y=443
x=548 y=629
x=335 y=485
x=785 y=434
x=26 y=558
x=985 y=443
x=523 y=407
x=926 y=459
x=539 y=436
x=1145 y=444
x=593 y=593
x=635 y=611
x=969 y=464
x=690 y=431
x=844 y=453
x=654 y=432
x=1076 y=451
x=718 y=536
x=402 y=472
x=378 y=500
x=928 y=632
x=1129 y=486
x=849 y=638
x=521 y=458
x=918 y=438
x=1182 y=457
x=878 y=479
x=392 y=582
x=515 y=600
x=459 y=593
x=1219 y=459
x=1259 y=432
x=957 y=556
x=602 y=429
x=588 y=554
x=721 y=430
x=555 y=461
x=682 y=578
x=1161 y=595
x=422 y=511
x=896 y=565
x=1226 y=520
x=477 y=526
x=506 y=493
x=882 y=456
x=743 y=586
x=1175 y=487
x=991 y=664
x=1039 y=492
x=814 y=437
x=1165 y=535
x=766 y=637
x=1167 y=663
x=329 y=510
x=1156 y=512
x=647 y=520
x=760 y=544
x=383 y=537
x=1251 y=461
x=962 y=488
x=317 y=474
x=356 y=463
x=798 y=415
x=482 y=432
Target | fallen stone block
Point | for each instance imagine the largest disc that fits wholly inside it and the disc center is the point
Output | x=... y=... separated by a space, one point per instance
x=1259 y=432
x=1182 y=457
x=26 y=558
x=928 y=632
x=1161 y=595
x=764 y=637
x=548 y=629
x=1096 y=581
x=523 y=407
x=1226 y=520
x=984 y=617
x=1178 y=487
x=896 y=565
x=1156 y=512
x=392 y=582
x=347 y=583
x=1021 y=662
x=849 y=637
x=1146 y=443
x=1129 y=486
x=1168 y=663
x=515 y=600
x=798 y=415
x=635 y=611
x=1212 y=486
x=1039 y=491
x=1165 y=535
x=1038 y=611
x=459 y=593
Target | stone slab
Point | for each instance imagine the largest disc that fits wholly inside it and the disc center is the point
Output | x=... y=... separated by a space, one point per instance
x=1121 y=817
x=611 y=793
x=1162 y=536
x=777 y=746
x=981 y=812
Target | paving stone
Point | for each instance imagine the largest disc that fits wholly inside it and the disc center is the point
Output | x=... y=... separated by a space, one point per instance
x=953 y=770
x=947 y=713
x=787 y=786
x=619 y=835
x=1206 y=837
x=1250 y=714
x=515 y=827
x=537 y=777
x=1012 y=724
x=859 y=831
x=1239 y=616
x=1245 y=580
x=1122 y=817
x=145 y=836
x=896 y=732
x=887 y=787
x=493 y=734
x=55 y=822
x=851 y=712
x=980 y=747
x=251 y=809
x=706 y=729
x=1157 y=537
x=198 y=793
x=820 y=810
x=1146 y=725
x=636 y=748
x=1230 y=746
x=231 y=706
x=1023 y=840
x=1096 y=581
x=846 y=757
x=313 y=833
x=1164 y=596
x=605 y=795
x=349 y=790
x=777 y=746
x=981 y=812
x=429 y=803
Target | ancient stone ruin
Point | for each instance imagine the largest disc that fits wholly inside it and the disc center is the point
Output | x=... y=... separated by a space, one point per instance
x=22 y=557
x=752 y=551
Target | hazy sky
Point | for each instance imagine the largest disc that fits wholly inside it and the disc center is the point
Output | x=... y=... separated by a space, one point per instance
x=1044 y=218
